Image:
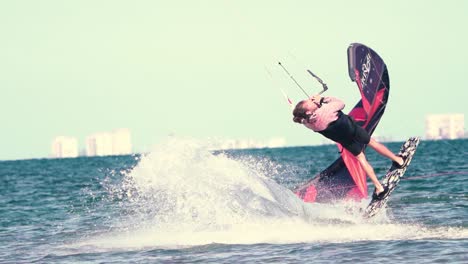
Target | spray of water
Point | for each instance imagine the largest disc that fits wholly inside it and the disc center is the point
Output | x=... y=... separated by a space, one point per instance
x=189 y=187
x=181 y=194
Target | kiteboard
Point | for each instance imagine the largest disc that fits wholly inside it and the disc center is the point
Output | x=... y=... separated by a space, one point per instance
x=392 y=177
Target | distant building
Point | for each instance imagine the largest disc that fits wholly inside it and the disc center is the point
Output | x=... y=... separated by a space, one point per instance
x=445 y=126
x=276 y=142
x=64 y=147
x=382 y=139
x=251 y=144
x=99 y=144
x=121 y=142
x=117 y=142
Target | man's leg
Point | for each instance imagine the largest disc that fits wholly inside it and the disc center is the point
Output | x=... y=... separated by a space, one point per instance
x=384 y=151
x=370 y=172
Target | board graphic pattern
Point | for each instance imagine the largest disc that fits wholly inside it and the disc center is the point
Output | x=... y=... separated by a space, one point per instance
x=393 y=176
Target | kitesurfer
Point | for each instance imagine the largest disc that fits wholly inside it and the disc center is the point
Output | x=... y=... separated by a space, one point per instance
x=324 y=115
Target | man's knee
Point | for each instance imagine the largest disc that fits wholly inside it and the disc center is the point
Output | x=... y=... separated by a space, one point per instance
x=361 y=157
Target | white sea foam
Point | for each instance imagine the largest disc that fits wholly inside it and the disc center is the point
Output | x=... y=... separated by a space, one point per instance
x=181 y=195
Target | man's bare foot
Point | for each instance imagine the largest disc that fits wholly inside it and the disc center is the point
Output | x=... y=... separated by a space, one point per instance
x=379 y=189
x=380 y=194
x=400 y=161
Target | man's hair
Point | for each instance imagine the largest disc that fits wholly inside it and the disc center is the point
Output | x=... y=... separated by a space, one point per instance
x=299 y=112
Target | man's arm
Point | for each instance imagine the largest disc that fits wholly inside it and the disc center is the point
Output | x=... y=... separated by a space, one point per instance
x=330 y=103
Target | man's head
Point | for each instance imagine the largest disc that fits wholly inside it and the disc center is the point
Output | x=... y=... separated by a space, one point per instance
x=303 y=110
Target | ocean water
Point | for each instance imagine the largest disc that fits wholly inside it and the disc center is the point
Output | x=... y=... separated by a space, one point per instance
x=185 y=203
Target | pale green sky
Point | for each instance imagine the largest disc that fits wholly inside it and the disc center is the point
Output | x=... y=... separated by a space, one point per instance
x=197 y=68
